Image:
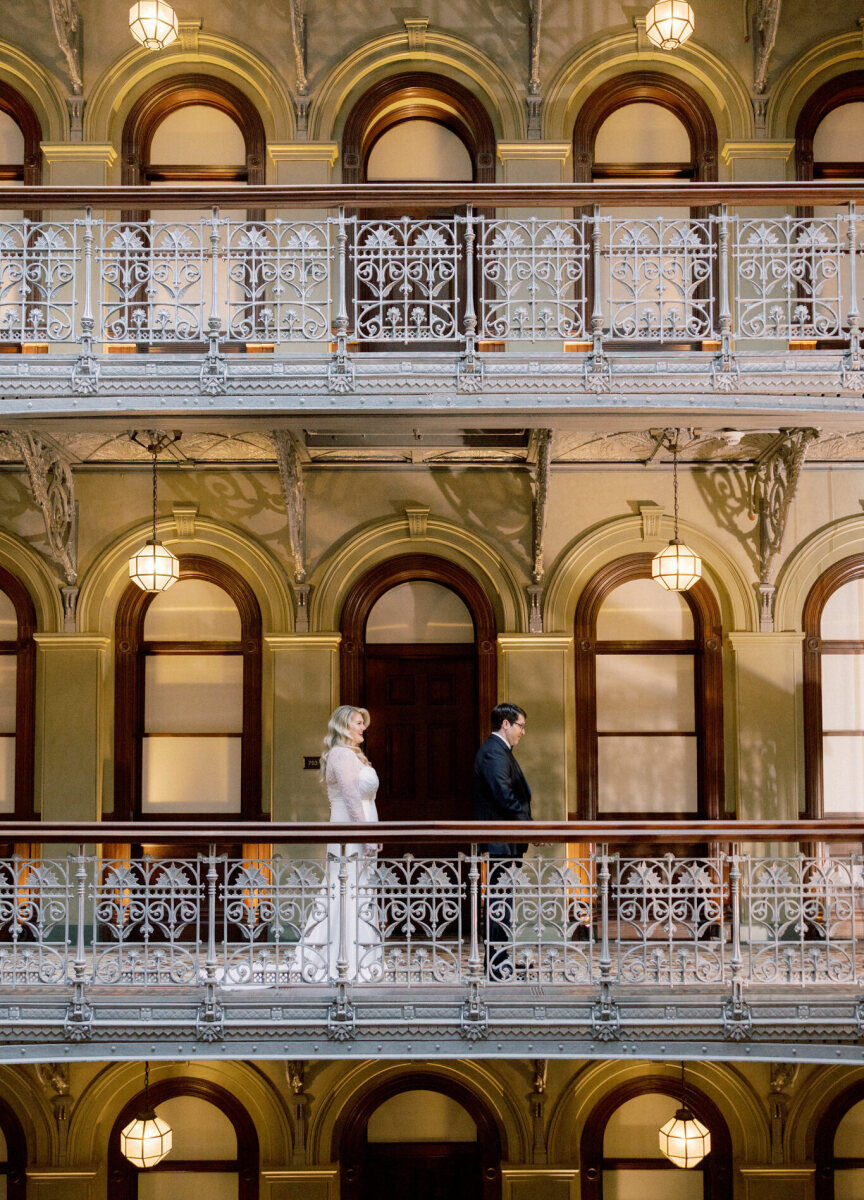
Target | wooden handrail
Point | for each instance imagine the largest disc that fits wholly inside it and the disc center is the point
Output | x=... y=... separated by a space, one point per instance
x=423 y=195
x=431 y=833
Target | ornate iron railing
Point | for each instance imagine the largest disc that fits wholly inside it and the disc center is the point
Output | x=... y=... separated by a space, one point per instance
x=588 y=279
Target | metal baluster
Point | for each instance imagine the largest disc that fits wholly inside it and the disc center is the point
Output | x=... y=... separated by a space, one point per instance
x=87 y=321
x=342 y=311
x=725 y=311
x=853 y=316
x=79 y=965
x=736 y=961
x=470 y=322
x=342 y=953
x=212 y=875
x=603 y=876
x=475 y=962
x=214 y=321
x=597 y=306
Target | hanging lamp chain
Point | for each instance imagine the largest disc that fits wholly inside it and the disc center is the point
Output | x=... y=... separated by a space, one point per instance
x=675 y=497
x=154 y=511
x=157 y=440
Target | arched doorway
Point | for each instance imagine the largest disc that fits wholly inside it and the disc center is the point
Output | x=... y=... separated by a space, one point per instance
x=427 y=678
x=837 y=1146
x=438 y=1142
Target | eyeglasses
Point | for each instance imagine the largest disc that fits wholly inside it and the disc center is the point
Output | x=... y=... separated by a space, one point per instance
x=519 y=724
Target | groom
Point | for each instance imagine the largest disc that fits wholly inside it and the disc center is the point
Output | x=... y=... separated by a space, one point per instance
x=501 y=793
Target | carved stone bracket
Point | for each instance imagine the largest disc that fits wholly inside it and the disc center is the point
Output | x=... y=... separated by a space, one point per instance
x=298 y=42
x=534 y=99
x=295 y=1074
x=288 y=456
x=766 y=21
x=537 y=1102
x=773 y=487
x=783 y=1076
x=540 y=454
x=416 y=28
x=53 y=488
x=67 y=27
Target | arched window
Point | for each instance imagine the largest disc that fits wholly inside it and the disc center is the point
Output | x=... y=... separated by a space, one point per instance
x=17 y=698
x=416 y=1133
x=829 y=133
x=418 y=650
x=834 y=691
x=649 y=700
x=215 y=1146
x=620 y=1155
x=188 y=697
x=20 y=140
x=837 y=1147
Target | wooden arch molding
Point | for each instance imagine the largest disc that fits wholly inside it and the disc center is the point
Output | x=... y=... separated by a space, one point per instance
x=829 y=581
x=826 y=1129
x=350 y=1134
x=842 y=89
x=718 y=1164
x=166 y=97
x=25 y=693
x=707 y=650
x=129 y=686
x=22 y=113
x=123 y=1177
x=412 y=96
x=648 y=87
x=409 y=568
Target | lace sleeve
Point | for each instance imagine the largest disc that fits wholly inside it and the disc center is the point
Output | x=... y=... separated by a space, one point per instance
x=344 y=765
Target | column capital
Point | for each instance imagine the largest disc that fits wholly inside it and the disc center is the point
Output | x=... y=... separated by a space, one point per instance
x=79 y=152
x=757 y=149
x=326 y=152
x=534 y=151
x=71 y=641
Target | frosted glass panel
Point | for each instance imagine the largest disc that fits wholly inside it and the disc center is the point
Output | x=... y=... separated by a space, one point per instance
x=842 y=691
x=4 y=1152
x=191 y=775
x=631 y=1131
x=419 y=612
x=849 y=1185
x=839 y=137
x=673 y=1184
x=640 y=610
x=8 y=681
x=843 y=774
x=192 y=610
x=420 y=150
x=198 y=135
x=11 y=141
x=641 y=691
x=201 y=1130
x=640 y=133
x=421 y=1117
x=193 y=693
x=645 y=774
x=7 y=774
x=843 y=614
x=849 y=1137
x=180 y=1185
x=8 y=619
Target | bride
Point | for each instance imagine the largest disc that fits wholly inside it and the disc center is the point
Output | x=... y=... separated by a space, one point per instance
x=351 y=783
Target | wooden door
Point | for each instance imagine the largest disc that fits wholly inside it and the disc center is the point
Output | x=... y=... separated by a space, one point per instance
x=423 y=701
x=422 y=1171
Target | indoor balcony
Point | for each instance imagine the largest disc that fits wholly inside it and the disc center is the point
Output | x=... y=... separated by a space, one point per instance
x=594 y=945
x=549 y=295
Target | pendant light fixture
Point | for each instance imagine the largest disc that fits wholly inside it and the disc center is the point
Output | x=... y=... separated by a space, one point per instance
x=676 y=567
x=669 y=24
x=684 y=1140
x=147 y=1139
x=153 y=23
x=154 y=568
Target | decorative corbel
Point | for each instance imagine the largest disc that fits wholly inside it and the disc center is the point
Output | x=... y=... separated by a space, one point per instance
x=67 y=27
x=766 y=21
x=53 y=488
x=537 y=1101
x=783 y=1077
x=289 y=456
x=54 y=1079
x=534 y=100
x=774 y=483
x=295 y=1073
x=539 y=458
x=416 y=29
x=298 y=41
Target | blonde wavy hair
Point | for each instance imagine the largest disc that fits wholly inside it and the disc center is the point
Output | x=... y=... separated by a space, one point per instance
x=338 y=733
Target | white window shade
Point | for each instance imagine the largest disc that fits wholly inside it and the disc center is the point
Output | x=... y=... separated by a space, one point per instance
x=11 y=140
x=419 y=612
x=673 y=1184
x=7 y=774
x=198 y=135
x=631 y=1131
x=842 y=691
x=843 y=774
x=650 y=692
x=641 y=611
x=839 y=137
x=647 y=774
x=8 y=619
x=419 y=150
x=193 y=693
x=193 y=610
x=200 y=1130
x=190 y=774
x=642 y=133
x=843 y=614
x=8 y=686
x=180 y=1185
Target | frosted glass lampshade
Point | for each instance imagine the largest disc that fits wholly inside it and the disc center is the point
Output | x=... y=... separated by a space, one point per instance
x=146 y=1140
x=669 y=24
x=684 y=1140
x=153 y=23
x=676 y=567
x=154 y=568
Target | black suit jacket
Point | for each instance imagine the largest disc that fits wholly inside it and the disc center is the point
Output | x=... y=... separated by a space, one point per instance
x=501 y=792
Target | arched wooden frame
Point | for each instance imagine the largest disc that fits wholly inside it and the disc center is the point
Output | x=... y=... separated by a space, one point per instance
x=842 y=572
x=16 y=1153
x=411 y=96
x=823 y=1146
x=349 y=1143
x=24 y=649
x=30 y=171
x=842 y=89
x=648 y=87
x=166 y=97
x=717 y=1166
x=129 y=687
x=123 y=1177
x=409 y=568
x=706 y=648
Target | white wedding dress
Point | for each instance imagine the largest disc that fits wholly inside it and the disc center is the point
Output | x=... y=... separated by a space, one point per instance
x=351 y=789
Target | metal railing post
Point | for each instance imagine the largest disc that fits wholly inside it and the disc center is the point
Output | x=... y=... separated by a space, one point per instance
x=475 y=961
x=342 y=310
x=87 y=319
x=470 y=322
x=724 y=301
x=603 y=877
x=79 y=965
x=342 y=962
x=853 y=316
x=210 y=962
x=736 y=961
x=214 y=320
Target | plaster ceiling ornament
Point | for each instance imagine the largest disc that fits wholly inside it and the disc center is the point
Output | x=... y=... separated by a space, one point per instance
x=153 y=24
x=669 y=24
